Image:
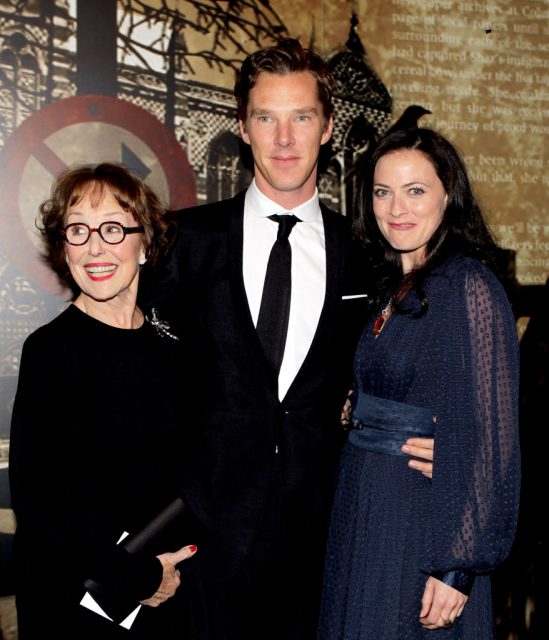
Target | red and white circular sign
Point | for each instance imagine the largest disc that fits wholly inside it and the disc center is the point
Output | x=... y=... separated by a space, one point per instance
x=84 y=129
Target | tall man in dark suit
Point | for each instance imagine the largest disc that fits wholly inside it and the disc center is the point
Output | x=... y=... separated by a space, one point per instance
x=263 y=446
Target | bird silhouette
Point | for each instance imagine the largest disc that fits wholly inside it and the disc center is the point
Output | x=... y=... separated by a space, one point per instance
x=409 y=118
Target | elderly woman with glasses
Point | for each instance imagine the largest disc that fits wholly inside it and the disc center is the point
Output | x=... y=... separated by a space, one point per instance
x=94 y=421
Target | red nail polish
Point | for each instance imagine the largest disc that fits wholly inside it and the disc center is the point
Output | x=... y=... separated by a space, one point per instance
x=193 y=548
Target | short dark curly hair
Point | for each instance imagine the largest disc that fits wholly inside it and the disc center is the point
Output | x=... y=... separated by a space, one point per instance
x=288 y=56
x=131 y=193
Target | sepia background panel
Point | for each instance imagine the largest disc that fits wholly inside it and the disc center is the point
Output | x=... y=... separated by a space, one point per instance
x=149 y=83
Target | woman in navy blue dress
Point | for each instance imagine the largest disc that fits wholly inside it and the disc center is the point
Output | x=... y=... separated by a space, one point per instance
x=408 y=555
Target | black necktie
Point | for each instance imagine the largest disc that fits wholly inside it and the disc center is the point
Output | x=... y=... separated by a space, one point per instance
x=272 y=322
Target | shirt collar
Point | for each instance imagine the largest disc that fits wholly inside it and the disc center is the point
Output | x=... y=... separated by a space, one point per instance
x=258 y=205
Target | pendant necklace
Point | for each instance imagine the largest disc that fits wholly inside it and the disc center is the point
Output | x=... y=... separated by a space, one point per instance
x=382 y=318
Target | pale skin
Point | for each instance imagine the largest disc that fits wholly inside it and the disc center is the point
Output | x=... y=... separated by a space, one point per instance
x=285 y=127
x=108 y=277
x=409 y=202
x=171 y=578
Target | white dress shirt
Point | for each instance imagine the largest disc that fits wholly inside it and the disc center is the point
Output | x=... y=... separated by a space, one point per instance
x=308 y=272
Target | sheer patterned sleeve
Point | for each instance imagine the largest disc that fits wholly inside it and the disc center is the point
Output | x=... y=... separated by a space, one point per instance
x=477 y=460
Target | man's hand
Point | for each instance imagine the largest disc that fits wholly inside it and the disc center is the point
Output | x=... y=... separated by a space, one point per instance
x=345 y=418
x=440 y=605
x=420 y=448
x=170 y=575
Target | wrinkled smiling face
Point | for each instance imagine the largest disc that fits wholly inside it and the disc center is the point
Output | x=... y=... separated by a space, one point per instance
x=104 y=271
x=409 y=202
x=285 y=127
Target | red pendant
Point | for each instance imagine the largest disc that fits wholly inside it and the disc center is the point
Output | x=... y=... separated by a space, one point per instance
x=379 y=323
x=382 y=318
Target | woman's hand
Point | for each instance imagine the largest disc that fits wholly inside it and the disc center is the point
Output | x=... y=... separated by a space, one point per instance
x=421 y=448
x=440 y=605
x=170 y=575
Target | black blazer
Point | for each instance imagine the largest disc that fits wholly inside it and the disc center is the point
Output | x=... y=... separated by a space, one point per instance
x=259 y=473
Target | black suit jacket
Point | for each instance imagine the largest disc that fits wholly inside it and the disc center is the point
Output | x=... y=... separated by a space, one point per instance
x=259 y=473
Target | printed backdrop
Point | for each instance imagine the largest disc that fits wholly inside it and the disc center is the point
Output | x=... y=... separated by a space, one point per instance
x=149 y=83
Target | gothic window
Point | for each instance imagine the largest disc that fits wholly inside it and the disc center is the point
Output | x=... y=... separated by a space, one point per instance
x=330 y=185
x=360 y=135
x=20 y=79
x=225 y=168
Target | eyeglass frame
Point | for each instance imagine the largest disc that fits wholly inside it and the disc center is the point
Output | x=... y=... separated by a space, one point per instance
x=125 y=231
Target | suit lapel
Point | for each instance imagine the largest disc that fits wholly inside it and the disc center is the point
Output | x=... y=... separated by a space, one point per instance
x=241 y=306
x=334 y=253
x=236 y=243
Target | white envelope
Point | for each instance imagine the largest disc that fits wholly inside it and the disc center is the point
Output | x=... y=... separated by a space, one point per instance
x=88 y=602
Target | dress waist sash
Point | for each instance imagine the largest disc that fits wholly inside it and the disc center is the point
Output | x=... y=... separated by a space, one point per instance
x=383 y=426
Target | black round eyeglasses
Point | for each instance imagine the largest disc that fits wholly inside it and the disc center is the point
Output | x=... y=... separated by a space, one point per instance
x=79 y=233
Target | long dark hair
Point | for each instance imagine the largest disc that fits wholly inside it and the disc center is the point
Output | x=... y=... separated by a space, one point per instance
x=462 y=230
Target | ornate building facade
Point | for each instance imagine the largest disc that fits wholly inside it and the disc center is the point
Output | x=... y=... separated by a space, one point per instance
x=176 y=60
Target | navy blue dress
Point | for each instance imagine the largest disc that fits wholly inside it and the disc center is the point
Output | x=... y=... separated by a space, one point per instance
x=392 y=527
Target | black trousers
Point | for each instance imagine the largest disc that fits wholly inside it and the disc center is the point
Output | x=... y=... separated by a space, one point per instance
x=280 y=606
